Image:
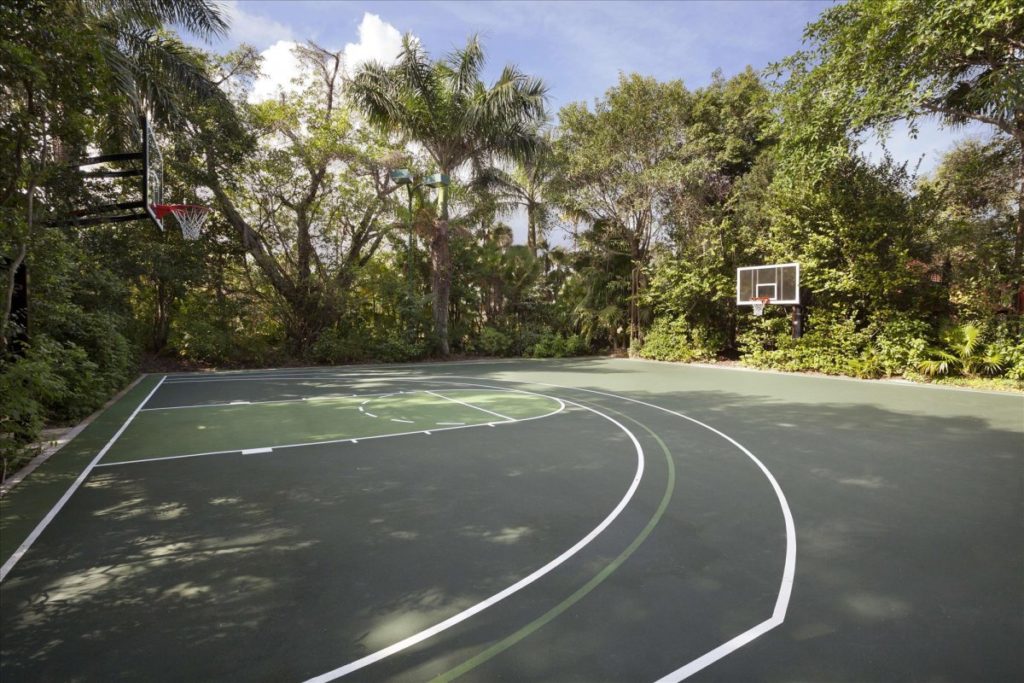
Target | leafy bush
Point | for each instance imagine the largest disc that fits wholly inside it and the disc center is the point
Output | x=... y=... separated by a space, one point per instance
x=343 y=345
x=1009 y=345
x=832 y=345
x=963 y=352
x=54 y=382
x=492 y=342
x=225 y=333
x=667 y=340
x=899 y=342
x=553 y=345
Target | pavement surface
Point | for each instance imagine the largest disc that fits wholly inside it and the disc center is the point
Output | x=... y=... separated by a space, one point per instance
x=567 y=520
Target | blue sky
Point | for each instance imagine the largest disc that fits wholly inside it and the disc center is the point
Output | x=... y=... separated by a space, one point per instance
x=578 y=48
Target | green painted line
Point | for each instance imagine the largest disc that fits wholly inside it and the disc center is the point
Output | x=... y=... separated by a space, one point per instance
x=554 y=612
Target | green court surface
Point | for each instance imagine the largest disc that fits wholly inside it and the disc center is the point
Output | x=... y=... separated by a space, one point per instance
x=200 y=429
x=576 y=520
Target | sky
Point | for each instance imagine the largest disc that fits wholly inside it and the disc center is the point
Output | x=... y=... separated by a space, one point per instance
x=577 y=47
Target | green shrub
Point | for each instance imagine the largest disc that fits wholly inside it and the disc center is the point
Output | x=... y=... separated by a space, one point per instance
x=899 y=342
x=493 y=342
x=1009 y=345
x=963 y=352
x=337 y=345
x=832 y=345
x=667 y=340
x=553 y=345
x=27 y=385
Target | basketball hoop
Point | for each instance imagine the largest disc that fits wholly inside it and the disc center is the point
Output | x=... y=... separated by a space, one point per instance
x=758 y=303
x=191 y=217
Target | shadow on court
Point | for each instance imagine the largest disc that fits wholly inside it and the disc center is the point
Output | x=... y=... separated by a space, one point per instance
x=908 y=515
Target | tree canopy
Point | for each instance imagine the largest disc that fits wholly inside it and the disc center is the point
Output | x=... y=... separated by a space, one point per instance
x=638 y=207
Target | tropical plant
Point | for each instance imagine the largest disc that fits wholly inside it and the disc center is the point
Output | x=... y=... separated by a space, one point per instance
x=964 y=354
x=620 y=165
x=445 y=107
x=528 y=187
x=869 y=64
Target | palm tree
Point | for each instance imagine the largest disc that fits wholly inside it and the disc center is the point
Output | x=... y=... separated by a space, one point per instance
x=526 y=187
x=458 y=120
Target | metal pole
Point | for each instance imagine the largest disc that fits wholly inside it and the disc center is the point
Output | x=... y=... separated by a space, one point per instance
x=408 y=265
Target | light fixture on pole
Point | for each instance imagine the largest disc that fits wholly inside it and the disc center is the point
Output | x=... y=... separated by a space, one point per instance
x=403 y=176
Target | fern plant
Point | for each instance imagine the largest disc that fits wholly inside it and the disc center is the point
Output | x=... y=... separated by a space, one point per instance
x=963 y=354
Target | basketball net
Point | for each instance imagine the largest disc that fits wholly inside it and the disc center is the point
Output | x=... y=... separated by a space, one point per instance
x=190 y=217
x=759 y=304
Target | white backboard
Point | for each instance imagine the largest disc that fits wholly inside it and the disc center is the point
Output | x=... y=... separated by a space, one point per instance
x=779 y=282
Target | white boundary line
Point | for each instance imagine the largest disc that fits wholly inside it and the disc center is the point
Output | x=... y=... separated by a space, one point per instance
x=17 y=555
x=468 y=405
x=348 y=439
x=308 y=399
x=789 y=566
x=63 y=440
x=881 y=382
x=514 y=588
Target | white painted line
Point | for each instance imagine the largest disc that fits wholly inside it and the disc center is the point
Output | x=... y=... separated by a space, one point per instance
x=254 y=451
x=514 y=588
x=837 y=378
x=369 y=414
x=324 y=397
x=789 y=566
x=469 y=405
x=27 y=543
x=63 y=440
x=361 y=408
x=408 y=422
x=561 y=407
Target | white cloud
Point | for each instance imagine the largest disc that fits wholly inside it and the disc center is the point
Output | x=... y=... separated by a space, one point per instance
x=253 y=29
x=280 y=68
x=378 y=41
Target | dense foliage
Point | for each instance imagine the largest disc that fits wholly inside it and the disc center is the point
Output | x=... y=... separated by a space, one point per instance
x=316 y=253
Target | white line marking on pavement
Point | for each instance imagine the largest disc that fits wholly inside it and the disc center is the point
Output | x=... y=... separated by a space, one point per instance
x=27 y=543
x=408 y=422
x=347 y=439
x=254 y=451
x=514 y=588
x=789 y=566
x=469 y=405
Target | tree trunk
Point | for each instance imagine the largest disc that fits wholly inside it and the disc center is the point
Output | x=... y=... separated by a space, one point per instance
x=12 y=279
x=440 y=266
x=162 y=321
x=1017 y=267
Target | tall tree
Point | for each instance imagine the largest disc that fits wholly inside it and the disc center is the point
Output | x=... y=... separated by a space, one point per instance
x=978 y=192
x=621 y=164
x=527 y=186
x=873 y=62
x=77 y=73
x=446 y=108
x=312 y=202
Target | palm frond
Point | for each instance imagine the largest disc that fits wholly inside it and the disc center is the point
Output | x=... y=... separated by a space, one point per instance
x=466 y=65
x=202 y=18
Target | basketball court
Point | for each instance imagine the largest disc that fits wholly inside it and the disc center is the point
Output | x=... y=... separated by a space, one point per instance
x=564 y=520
